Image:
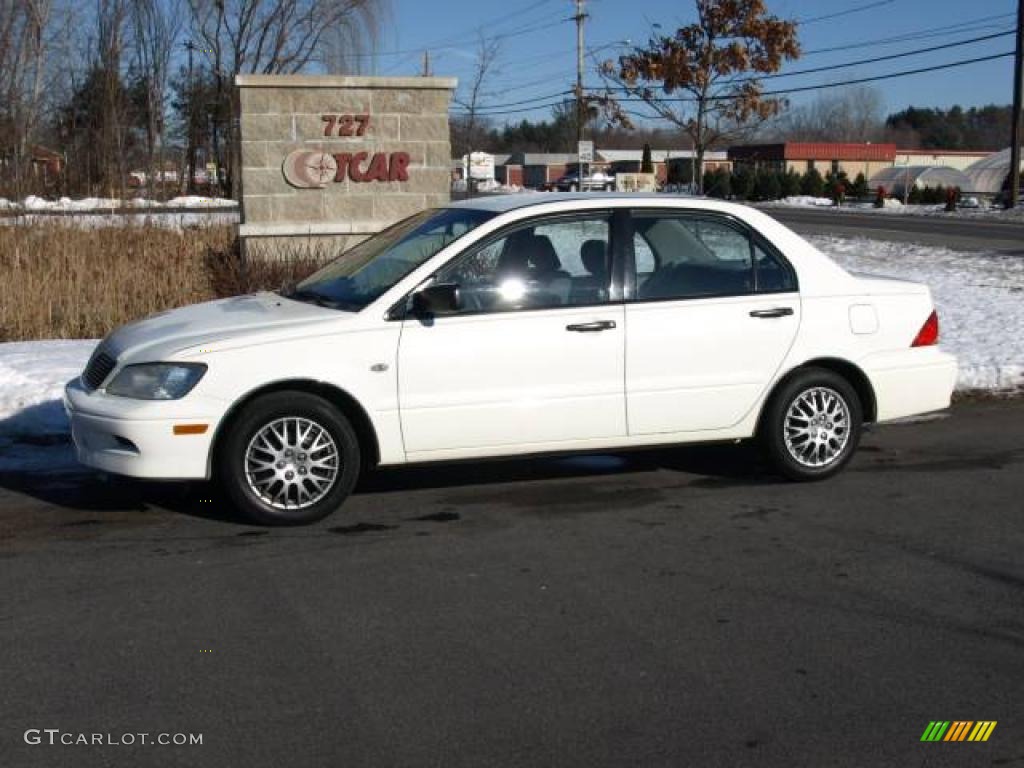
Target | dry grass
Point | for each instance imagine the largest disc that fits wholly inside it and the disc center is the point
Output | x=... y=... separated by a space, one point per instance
x=59 y=281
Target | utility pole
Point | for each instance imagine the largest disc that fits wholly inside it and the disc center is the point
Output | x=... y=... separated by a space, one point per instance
x=1018 y=106
x=426 y=64
x=580 y=17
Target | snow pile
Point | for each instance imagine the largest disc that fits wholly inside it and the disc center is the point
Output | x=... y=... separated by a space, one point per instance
x=33 y=426
x=979 y=297
x=102 y=204
x=807 y=200
x=892 y=204
x=193 y=201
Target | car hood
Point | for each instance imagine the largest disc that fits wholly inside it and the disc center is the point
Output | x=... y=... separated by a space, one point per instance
x=159 y=336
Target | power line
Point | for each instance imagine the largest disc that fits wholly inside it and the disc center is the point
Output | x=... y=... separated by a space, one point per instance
x=450 y=41
x=847 y=12
x=859 y=62
x=857 y=81
x=973 y=25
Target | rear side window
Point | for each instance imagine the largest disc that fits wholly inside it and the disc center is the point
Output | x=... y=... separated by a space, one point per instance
x=680 y=256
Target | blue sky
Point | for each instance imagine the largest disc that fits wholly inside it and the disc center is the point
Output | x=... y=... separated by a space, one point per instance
x=538 y=47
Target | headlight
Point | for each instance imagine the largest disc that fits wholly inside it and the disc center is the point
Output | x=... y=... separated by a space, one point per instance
x=156 y=381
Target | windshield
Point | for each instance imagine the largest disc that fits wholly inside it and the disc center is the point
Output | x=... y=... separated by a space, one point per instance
x=364 y=273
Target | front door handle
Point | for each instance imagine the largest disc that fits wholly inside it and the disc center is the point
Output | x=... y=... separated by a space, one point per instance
x=595 y=327
x=774 y=312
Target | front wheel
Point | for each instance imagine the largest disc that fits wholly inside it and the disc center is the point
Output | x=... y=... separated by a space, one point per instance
x=289 y=458
x=812 y=425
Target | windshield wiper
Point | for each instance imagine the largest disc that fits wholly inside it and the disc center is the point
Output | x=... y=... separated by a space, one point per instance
x=311 y=297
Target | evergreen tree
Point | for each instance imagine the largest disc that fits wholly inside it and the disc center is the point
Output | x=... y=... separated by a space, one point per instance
x=646 y=164
x=812 y=184
x=767 y=186
x=791 y=183
x=718 y=183
x=742 y=183
x=859 y=187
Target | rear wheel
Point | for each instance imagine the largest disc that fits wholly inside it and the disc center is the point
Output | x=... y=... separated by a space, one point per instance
x=812 y=425
x=289 y=458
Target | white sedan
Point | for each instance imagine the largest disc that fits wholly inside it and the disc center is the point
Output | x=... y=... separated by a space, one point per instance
x=514 y=325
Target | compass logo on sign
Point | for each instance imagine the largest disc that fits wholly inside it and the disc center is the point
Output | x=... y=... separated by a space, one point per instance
x=309 y=170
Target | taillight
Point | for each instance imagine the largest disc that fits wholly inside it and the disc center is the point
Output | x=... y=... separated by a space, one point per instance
x=929 y=333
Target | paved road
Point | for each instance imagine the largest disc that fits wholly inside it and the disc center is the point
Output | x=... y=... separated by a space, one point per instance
x=965 y=233
x=672 y=608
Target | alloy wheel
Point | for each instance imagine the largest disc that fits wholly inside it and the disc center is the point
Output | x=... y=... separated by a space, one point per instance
x=292 y=463
x=817 y=427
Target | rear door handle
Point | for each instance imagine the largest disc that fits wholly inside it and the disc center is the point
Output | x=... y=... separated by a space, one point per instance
x=595 y=327
x=774 y=312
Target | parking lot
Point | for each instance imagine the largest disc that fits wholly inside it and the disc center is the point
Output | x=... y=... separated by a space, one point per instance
x=678 y=607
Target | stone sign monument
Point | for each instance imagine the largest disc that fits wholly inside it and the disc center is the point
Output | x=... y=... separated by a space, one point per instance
x=329 y=160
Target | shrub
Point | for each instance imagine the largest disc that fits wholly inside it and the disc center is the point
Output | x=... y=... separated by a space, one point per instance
x=859 y=188
x=767 y=186
x=61 y=281
x=812 y=183
x=914 y=195
x=791 y=183
x=742 y=183
x=717 y=183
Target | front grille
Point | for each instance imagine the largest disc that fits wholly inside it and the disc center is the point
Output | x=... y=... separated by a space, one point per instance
x=99 y=367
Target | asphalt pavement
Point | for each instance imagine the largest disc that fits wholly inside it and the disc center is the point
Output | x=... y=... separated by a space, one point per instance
x=663 y=608
x=962 y=232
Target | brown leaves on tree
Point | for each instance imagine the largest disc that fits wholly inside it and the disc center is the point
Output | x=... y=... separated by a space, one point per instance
x=704 y=77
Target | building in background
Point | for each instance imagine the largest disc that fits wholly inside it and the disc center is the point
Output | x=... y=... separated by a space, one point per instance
x=951 y=158
x=825 y=157
x=898 y=180
x=677 y=163
x=989 y=175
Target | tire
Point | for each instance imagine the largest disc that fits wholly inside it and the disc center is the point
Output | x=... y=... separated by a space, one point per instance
x=818 y=397
x=265 y=483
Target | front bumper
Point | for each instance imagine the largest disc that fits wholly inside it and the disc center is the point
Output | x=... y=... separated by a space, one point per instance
x=134 y=443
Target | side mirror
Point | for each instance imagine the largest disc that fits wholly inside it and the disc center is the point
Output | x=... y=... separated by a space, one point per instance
x=437 y=299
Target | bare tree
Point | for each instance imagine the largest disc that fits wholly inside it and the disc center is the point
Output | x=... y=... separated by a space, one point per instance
x=23 y=49
x=270 y=37
x=111 y=21
x=470 y=99
x=156 y=25
x=853 y=113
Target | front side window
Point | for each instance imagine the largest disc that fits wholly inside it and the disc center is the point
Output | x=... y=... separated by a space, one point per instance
x=364 y=273
x=540 y=265
x=686 y=256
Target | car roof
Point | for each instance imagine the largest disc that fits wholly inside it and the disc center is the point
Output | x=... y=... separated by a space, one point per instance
x=519 y=200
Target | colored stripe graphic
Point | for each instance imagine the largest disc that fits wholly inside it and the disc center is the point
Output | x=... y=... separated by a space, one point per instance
x=982 y=730
x=958 y=730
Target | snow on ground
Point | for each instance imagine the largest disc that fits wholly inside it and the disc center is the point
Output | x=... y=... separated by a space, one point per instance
x=33 y=426
x=980 y=298
x=102 y=204
x=804 y=201
x=152 y=217
x=179 y=212
x=976 y=210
